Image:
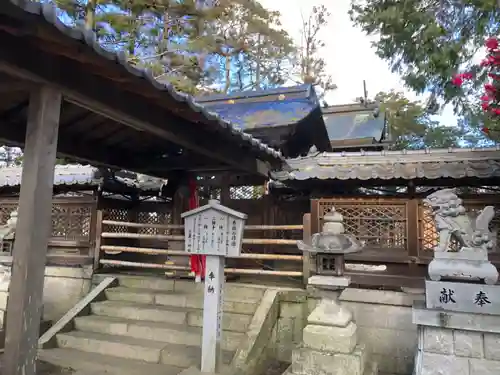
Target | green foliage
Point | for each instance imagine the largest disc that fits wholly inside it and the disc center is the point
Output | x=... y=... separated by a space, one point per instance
x=427 y=41
x=190 y=44
x=412 y=127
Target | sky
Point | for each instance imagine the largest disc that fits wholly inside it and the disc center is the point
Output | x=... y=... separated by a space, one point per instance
x=348 y=53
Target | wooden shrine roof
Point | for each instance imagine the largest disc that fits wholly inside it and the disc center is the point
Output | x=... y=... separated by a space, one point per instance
x=114 y=114
x=288 y=118
x=454 y=163
x=354 y=126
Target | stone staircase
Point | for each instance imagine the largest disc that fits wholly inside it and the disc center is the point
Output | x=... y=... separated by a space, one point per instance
x=150 y=326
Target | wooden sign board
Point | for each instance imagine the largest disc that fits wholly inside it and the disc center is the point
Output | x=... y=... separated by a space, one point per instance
x=214 y=229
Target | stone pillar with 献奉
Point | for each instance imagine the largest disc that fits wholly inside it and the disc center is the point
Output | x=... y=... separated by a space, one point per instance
x=458 y=325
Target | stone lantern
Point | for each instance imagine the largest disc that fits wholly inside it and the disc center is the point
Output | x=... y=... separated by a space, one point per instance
x=330 y=342
x=331 y=245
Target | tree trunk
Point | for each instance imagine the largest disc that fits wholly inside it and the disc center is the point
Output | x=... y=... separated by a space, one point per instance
x=90 y=14
x=227 y=69
x=258 y=64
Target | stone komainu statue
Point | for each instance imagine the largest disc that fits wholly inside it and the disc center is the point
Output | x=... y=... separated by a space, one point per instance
x=453 y=222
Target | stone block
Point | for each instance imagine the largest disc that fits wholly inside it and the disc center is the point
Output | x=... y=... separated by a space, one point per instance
x=3 y=300
x=492 y=346
x=74 y=285
x=381 y=316
x=230 y=322
x=331 y=339
x=468 y=344
x=297 y=330
x=484 y=367
x=393 y=365
x=312 y=362
x=389 y=342
x=454 y=319
x=379 y=297
x=311 y=305
x=284 y=331
x=292 y=310
x=329 y=281
x=438 y=364
x=463 y=297
x=438 y=340
x=330 y=313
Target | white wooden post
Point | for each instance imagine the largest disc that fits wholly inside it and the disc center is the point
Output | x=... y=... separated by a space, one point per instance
x=215 y=231
x=212 y=312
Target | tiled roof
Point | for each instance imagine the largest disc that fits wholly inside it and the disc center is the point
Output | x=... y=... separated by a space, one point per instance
x=385 y=165
x=48 y=11
x=80 y=175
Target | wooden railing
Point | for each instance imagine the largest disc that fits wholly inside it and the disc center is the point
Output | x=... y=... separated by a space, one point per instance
x=164 y=242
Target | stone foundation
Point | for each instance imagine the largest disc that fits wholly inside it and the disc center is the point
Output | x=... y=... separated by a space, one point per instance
x=330 y=345
x=384 y=321
x=63 y=288
x=456 y=343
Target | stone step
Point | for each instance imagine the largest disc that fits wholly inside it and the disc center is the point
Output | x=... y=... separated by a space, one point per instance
x=236 y=290
x=163 y=332
x=191 y=300
x=99 y=364
x=136 y=349
x=167 y=314
x=130 y=310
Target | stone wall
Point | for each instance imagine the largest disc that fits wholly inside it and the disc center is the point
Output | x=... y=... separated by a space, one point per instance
x=63 y=288
x=457 y=343
x=384 y=320
x=458 y=352
x=292 y=318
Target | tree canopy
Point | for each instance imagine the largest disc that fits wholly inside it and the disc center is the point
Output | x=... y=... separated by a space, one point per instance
x=428 y=41
x=412 y=127
x=232 y=45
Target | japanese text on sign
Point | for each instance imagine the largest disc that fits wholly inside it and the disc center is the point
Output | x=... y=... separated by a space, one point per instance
x=214 y=230
x=447 y=296
x=481 y=299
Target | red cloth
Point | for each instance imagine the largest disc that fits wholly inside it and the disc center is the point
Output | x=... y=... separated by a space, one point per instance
x=197 y=262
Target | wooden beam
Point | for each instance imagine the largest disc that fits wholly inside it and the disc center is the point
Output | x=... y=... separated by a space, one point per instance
x=113 y=156
x=234 y=179
x=124 y=104
x=25 y=301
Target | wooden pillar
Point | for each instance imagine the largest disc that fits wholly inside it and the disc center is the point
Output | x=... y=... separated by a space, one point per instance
x=307 y=263
x=225 y=193
x=24 y=306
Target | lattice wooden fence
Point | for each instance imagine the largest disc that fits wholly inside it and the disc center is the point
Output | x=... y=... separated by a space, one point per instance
x=142 y=217
x=380 y=224
x=246 y=192
x=383 y=223
x=71 y=219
